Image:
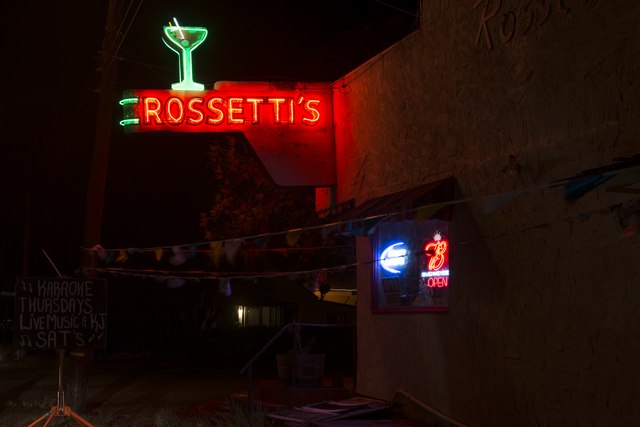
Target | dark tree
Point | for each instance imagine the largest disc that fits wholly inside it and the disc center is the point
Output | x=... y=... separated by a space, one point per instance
x=245 y=201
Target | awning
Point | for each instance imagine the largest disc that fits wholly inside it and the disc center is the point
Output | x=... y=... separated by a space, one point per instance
x=425 y=201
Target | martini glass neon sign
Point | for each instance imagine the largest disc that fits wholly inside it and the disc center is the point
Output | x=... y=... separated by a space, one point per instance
x=184 y=40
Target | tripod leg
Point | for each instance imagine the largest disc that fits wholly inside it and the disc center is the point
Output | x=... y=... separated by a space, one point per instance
x=79 y=419
x=36 y=422
x=51 y=417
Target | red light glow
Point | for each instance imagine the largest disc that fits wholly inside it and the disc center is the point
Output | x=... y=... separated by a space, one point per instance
x=290 y=126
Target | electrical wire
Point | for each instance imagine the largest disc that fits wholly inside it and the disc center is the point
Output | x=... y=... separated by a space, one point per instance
x=108 y=51
x=198 y=275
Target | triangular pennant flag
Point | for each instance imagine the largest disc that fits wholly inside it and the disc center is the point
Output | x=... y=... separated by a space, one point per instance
x=224 y=287
x=261 y=242
x=193 y=251
x=426 y=212
x=327 y=230
x=631 y=230
x=292 y=237
x=179 y=257
x=577 y=187
x=216 y=252
x=111 y=256
x=98 y=249
x=122 y=256
x=313 y=282
x=363 y=227
x=231 y=248
x=371 y=224
x=627 y=217
x=317 y=279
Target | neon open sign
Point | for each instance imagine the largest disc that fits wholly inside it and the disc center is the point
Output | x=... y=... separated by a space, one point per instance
x=437 y=253
x=394 y=257
x=289 y=125
x=411 y=272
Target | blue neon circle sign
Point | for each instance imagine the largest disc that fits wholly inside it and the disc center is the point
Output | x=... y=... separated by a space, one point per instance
x=394 y=258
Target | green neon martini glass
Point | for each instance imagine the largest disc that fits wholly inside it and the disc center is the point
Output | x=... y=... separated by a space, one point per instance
x=184 y=40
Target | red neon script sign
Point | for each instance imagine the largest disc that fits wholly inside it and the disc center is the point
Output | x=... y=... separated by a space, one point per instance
x=437 y=254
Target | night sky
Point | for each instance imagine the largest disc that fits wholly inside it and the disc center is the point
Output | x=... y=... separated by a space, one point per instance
x=156 y=186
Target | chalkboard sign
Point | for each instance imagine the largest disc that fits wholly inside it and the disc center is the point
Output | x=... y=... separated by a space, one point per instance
x=60 y=313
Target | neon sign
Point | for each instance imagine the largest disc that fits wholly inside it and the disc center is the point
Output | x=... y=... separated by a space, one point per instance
x=412 y=269
x=437 y=255
x=394 y=258
x=183 y=41
x=289 y=125
x=222 y=111
x=436 y=252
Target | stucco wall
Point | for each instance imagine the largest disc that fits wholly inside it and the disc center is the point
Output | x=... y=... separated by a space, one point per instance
x=544 y=321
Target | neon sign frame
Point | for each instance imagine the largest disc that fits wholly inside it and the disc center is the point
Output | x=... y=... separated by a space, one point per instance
x=149 y=110
x=289 y=125
x=411 y=272
x=393 y=259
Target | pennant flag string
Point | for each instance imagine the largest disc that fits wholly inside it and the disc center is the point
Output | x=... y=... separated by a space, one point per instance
x=359 y=226
x=627 y=216
x=205 y=275
x=293 y=234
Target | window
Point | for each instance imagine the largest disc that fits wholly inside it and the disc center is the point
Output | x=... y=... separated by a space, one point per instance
x=270 y=316
x=411 y=266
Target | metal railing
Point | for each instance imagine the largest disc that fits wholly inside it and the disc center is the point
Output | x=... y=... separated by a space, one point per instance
x=248 y=368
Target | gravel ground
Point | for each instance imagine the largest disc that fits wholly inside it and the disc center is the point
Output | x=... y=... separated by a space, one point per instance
x=123 y=391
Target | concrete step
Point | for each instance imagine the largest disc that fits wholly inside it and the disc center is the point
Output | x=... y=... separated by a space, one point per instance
x=270 y=394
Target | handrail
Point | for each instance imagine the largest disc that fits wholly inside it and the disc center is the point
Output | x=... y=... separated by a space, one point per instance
x=431 y=410
x=281 y=331
x=249 y=366
x=265 y=347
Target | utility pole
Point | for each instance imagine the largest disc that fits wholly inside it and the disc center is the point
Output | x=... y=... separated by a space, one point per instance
x=104 y=123
x=26 y=231
x=107 y=64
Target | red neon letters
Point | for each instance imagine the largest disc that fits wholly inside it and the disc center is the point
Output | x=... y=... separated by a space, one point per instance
x=203 y=111
x=290 y=126
x=438 y=282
